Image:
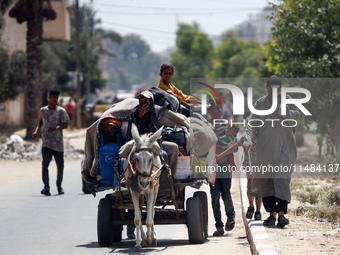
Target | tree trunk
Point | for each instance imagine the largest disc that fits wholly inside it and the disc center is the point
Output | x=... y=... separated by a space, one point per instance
x=78 y=97
x=33 y=100
x=335 y=139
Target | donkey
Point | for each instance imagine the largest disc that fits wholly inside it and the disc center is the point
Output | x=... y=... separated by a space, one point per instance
x=144 y=178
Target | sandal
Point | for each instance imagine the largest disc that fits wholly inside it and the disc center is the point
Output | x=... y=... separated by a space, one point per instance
x=282 y=221
x=250 y=212
x=230 y=224
x=219 y=232
x=269 y=222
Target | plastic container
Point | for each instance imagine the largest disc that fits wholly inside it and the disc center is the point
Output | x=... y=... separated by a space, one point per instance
x=108 y=156
x=183 y=168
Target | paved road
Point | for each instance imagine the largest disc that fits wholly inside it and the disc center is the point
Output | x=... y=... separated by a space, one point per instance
x=31 y=223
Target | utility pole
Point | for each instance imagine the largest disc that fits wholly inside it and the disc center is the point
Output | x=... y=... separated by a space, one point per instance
x=87 y=84
x=78 y=99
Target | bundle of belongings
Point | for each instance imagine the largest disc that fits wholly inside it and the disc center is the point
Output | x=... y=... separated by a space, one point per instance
x=202 y=140
x=193 y=136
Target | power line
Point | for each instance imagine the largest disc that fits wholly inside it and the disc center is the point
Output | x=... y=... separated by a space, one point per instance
x=139 y=28
x=175 y=33
x=158 y=38
x=167 y=13
x=177 y=9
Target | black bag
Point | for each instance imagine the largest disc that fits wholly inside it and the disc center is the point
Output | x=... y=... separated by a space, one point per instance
x=174 y=134
x=164 y=99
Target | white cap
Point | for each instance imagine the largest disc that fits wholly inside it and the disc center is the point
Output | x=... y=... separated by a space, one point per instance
x=146 y=93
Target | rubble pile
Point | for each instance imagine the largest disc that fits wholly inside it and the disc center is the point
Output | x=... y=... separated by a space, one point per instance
x=18 y=149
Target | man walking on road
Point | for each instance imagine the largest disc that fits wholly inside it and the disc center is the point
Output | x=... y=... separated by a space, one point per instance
x=275 y=147
x=53 y=119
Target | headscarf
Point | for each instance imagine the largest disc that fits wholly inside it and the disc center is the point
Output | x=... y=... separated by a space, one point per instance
x=148 y=123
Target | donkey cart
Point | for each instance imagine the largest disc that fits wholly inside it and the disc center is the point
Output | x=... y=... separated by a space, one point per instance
x=171 y=207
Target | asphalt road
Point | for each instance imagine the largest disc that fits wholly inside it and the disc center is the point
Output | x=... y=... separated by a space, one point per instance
x=31 y=223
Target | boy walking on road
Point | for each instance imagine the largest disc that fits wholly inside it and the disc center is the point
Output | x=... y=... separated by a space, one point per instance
x=222 y=185
x=53 y=119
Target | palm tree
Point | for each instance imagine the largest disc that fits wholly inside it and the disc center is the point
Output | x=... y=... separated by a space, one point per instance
x=34 y=47
x=91 y=45
x=4 y=4
x=4 y=56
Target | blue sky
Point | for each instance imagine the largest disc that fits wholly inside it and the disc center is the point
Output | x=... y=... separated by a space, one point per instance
x=156 y=21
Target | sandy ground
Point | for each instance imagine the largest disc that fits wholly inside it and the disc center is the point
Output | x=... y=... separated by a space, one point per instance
x=302 y=236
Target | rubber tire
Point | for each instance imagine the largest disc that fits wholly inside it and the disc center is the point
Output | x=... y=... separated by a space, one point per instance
x=84 y=188
x=204 y=200
x=117 y=229
x=195 y=220
x=104 y=220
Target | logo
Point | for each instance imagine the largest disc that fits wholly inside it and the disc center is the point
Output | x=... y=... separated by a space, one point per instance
x=204 y=97
x=109 y=158
x=238 y=99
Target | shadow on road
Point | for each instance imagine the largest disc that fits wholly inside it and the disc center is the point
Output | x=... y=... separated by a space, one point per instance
x=127 y=246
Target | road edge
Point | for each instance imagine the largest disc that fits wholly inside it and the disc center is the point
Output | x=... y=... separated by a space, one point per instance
x=255 y=231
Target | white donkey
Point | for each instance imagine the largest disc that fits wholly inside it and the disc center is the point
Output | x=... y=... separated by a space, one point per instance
x=144 y=178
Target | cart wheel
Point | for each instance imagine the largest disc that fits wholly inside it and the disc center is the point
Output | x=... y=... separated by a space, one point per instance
x=204 y=200
x=117 y=229
x=195 y=220
x=104 y=221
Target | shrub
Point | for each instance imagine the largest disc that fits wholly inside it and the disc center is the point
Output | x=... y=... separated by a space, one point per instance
x=324 y=203
x=309 y=195
x=332 y=196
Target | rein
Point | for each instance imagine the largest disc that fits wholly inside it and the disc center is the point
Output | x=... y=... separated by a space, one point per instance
x=143 y=149
x=151 y=175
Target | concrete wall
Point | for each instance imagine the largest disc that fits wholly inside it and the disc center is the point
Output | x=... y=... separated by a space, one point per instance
x=14 y=33
x=12 y=112
x=60 y=28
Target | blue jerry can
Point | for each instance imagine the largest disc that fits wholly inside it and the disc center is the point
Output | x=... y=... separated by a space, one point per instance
x=108 y=156
x=165 y=156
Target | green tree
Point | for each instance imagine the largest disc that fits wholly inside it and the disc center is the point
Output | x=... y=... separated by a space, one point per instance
x=54 y=66
x=4 y=5
x=193 y=57
x=231 y=45
x=306 y=45
x=93 y=41
x=32 y=13
x=4 y=66
x=306 y=39
x=134 y=47
x=235 y=57
x=13 y=78
x=135 y=64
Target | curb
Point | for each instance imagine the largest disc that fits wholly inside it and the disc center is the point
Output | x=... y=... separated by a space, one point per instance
x=256 y=233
